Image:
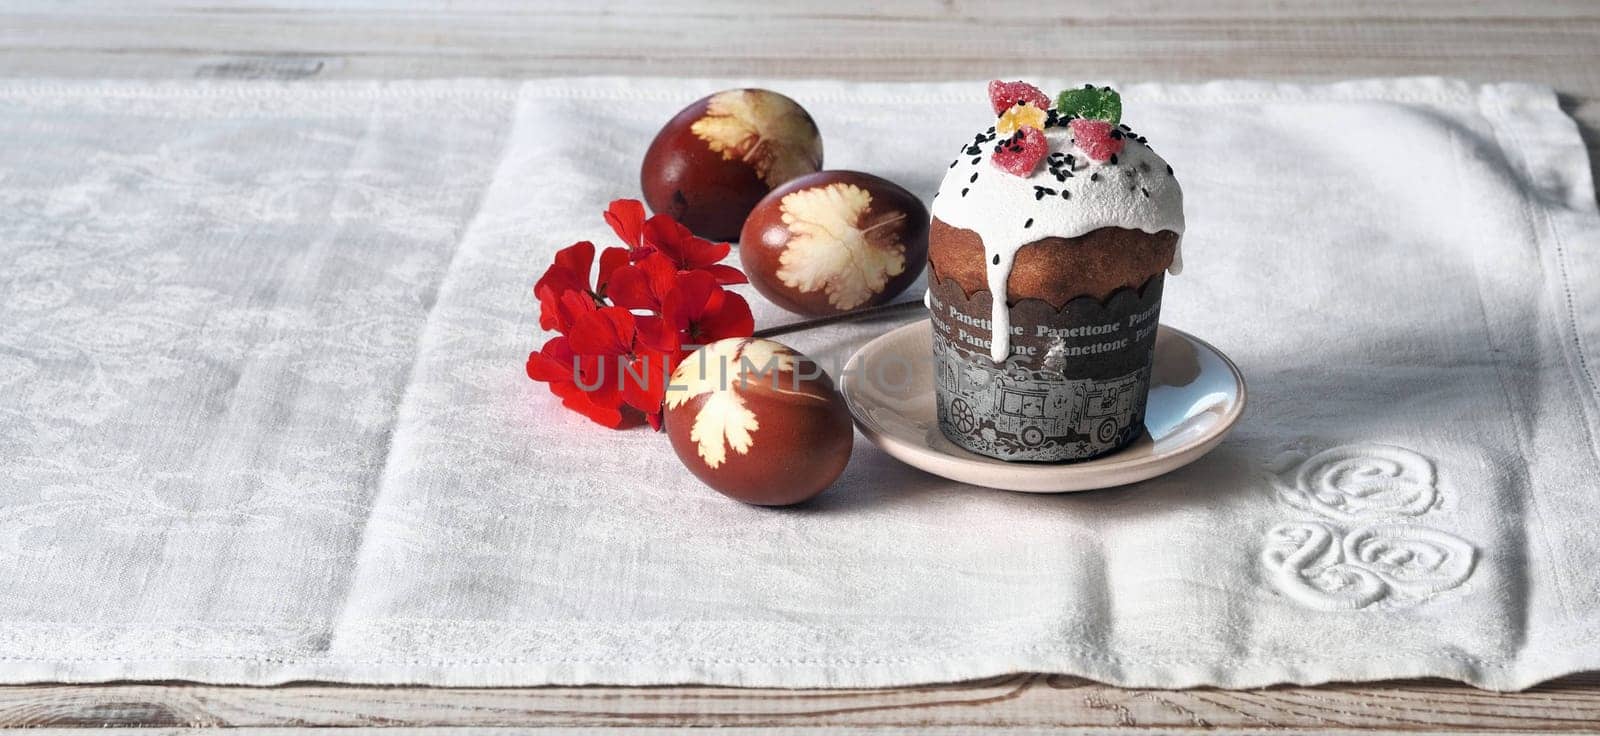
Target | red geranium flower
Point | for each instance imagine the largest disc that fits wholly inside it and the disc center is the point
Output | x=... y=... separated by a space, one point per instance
x=662 y=234
x=644 y=285
x=626 y=218
x=622 y=335
x=607 y=337
x=580 y=384
x=696 y=312
x=570 y=274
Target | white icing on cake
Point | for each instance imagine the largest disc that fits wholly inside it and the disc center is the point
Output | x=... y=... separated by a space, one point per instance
x=1138 y=192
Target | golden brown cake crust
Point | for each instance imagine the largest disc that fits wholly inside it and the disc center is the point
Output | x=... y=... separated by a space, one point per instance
x=1055 y=270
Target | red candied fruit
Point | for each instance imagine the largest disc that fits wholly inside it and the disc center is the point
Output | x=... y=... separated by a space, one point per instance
x=1020 y=154
x=1003 y=95
x=1098 y=138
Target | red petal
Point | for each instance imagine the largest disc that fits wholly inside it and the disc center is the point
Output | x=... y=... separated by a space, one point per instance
x=569 y=273
x=704 y=253
x=576 y=259
x=611 y=259
x=626 y=218
x=686 y=251
x=644 y=385
x=602 y=412
x=664 y=233
x=549 y=308
x=553 y=362
x=606 y=331
x=570 y=307
x=655 y=333
x=662 y=272
x=729 y=317
x=687 y=300
x=726 y=274
x=556 y=365
x=630 y=289
x=645 y=284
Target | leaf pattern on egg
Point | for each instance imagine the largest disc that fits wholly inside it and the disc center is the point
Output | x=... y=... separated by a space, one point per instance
x=724 y=420
x=833 y=247
x=768 y=131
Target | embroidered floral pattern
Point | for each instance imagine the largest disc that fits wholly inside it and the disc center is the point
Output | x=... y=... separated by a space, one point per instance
x=1324 y=566
x=1359 y=482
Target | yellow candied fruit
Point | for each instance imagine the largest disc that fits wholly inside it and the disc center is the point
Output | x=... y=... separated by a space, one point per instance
x=1024 y=115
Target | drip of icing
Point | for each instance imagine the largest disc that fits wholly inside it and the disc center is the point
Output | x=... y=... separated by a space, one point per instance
x=999 y=271
x=1007 y=212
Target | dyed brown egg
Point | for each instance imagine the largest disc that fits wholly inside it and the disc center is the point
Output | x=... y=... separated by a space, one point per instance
x=835 y=241
x=718 y=157
x=758 y=422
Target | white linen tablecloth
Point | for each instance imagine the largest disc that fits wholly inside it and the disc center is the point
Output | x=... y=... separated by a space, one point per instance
x=263 y=414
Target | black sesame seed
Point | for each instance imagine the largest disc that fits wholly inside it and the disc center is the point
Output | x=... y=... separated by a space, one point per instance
x=974 y=178
x=964 y=191
x=974 y=150
x=1113 y=159
x=1169 y=169
x=1146 y=191
x=953 y=163
x=1029 y=223
x=976 y=159
x=1116 y=135
x=1095 y=176
x=1124 y=126
x=1088 y=86
x=1066 y=194
x=996 y=259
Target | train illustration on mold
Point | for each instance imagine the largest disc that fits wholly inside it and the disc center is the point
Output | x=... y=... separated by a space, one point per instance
x=1022 y=410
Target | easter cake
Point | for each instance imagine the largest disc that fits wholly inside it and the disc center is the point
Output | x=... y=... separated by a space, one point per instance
x=1072 y=218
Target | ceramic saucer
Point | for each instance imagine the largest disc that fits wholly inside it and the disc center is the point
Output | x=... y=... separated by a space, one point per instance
x=1196 y=396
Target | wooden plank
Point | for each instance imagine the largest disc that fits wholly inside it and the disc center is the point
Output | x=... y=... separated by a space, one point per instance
x=904 y=40
x=1551 y=42
x=1020 y=702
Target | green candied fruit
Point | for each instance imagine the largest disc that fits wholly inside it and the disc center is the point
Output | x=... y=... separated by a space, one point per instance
x=1096 y=103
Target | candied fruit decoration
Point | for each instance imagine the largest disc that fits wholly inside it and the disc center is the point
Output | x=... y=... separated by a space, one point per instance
x=1005 y=95
x=1018 y=117
x=1094 y=103
x=1020 y=154
x=1097 y=138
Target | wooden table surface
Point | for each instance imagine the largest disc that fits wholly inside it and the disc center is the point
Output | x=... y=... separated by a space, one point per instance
x=1555 y=42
